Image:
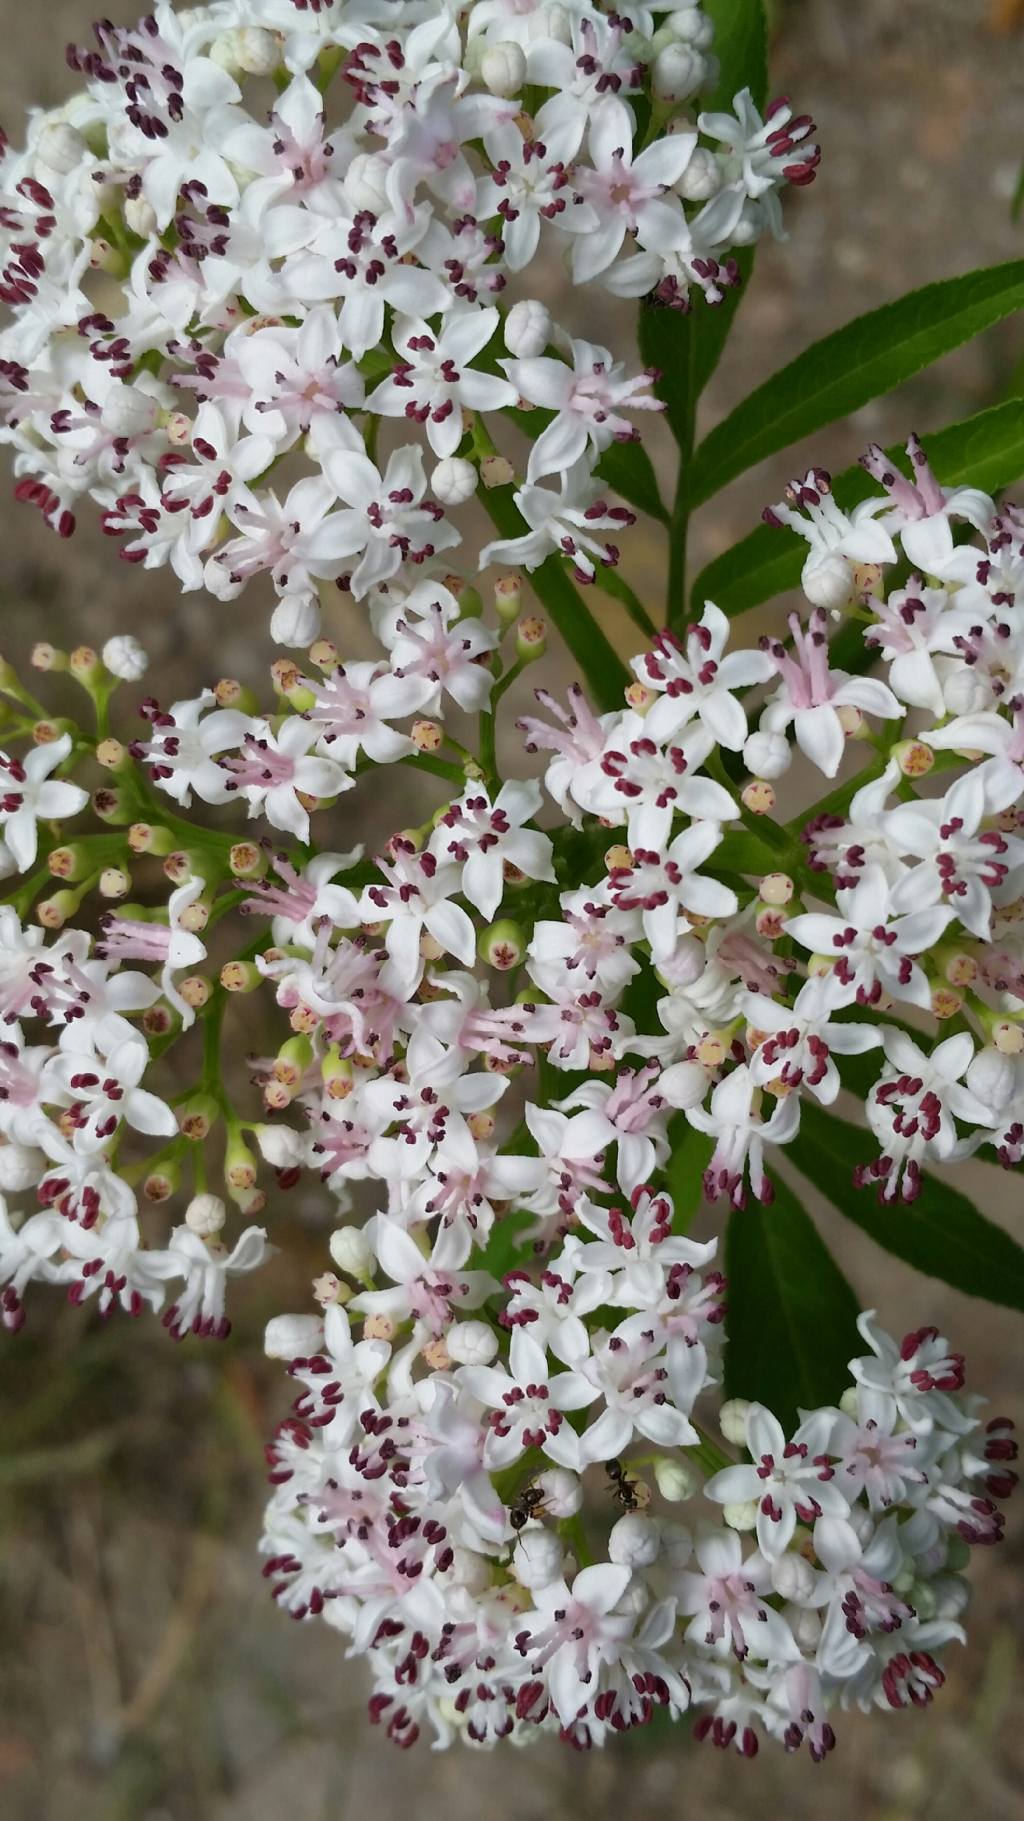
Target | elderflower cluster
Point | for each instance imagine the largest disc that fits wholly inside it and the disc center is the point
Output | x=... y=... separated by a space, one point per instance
x=209 y=279
x=502 y=1025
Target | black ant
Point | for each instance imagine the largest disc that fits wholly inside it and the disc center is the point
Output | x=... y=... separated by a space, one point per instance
x=622 y=1487
x=524 y=1505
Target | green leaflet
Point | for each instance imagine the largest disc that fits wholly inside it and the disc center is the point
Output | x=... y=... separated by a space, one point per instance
x=942 y=1233
x=862 y=361
x=791 y=1321
x=985 y=451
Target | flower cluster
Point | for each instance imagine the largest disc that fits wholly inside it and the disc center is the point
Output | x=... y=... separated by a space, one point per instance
x=204 y=289
x=505 y=1024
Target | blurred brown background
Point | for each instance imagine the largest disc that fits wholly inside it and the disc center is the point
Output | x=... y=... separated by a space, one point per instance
x=144 y=1676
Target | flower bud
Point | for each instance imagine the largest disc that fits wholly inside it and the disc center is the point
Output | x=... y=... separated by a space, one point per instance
x=742 y=1516
x=503 y=68
x=453 y=481
x=676 y=1480
x=125 y=658
x=732 y=1420
x=352 y=1252
x=256 y=51
x=61 y=147
x=562 y=1490
x=295 y=621
x=21 y=1167
x=281 y=1146
x=691 y=26
x=767 y=755
x=366 y=183
x=702 y=177
x=806 y=1629
x=291 y=1337
x=470 y=1570
x=538 y=1558
x=47 y=658
x=677 y=72
x=635 y=1541
x=827 y=581
x=793 y=1578
x=527 y=329
x=992 y=1077
x=205 y=1215
x=471 y=1343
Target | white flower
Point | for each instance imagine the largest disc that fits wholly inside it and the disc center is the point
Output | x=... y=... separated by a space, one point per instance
x=528 y=1404
x=788 y=1480
x=588 y=398
x=273 y=770
x=696 y=679
x=562 y=523
x=30 y=794
x=485 y=838
x=433 y=379
x=871 y=949
x=387 y=519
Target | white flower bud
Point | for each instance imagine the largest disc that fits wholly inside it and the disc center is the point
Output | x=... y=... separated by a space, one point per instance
x=635 y=1541
x=291 y=1337
x=965 y=691
x=690 y=26
x=527 y=329
x=806 y=1628
x=793 y=1578
x=130 y=412
x=538 y=1557
x=205 y=1215
x=732 y=1420
x=140 y=216
x=702 y=177
x=684 y=1084
x=295 y=621
x=993 y=1078
x=471 y=1343
x=676 y=1543
x=562 y=1491
x=827 y=581
x=257 y=51
x=351 y=1251
x=952 y=1595
x=849 y=1403
x=61 y=147
x=281 y=1146
x=675 y=1480
x=365 y=183
x=21 y=1167
x=767 y=755
x=503 y=68
x=677 y=72
x=551 y=22
x=124 y=657
x=742 y=1516
x=453 y=481
x=470 y=1570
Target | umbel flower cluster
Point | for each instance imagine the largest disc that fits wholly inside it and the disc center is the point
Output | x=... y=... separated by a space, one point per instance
x=509 y=1479
x=201 y=275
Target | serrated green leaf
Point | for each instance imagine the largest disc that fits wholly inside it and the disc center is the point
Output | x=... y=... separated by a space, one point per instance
x=791 y=1319
x=863 y=360
x=605 y=673
x=942 y=1233
x=984 y=451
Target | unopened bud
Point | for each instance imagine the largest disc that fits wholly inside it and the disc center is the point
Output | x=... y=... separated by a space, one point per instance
x=677 y=72
x=125 y=658
x=352 y=1253
x=205 y=1215
x=828 y=582
x=454 y=481
x=635 y=1541
x=742 y=1516
x=291 y=1337
x=503 y=68
x=675 y=1480
x=472 y=1343
x=527 y=329
x=732 y=1420
x=766 y=755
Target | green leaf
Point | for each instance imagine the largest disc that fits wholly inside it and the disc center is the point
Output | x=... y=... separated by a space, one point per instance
x=985 y=451
x=791 y=1321
x=862 y=361
x=741 y=46
x=628 y=468
x=605 y=673
x=688 y=1160
x=941 y=1233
